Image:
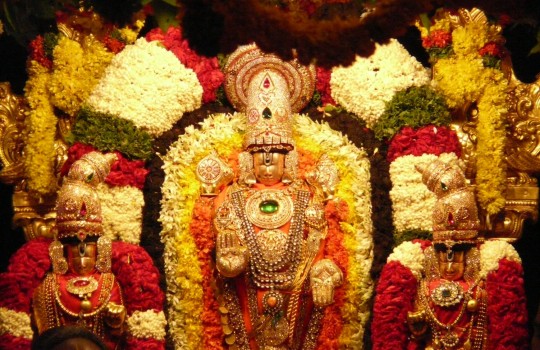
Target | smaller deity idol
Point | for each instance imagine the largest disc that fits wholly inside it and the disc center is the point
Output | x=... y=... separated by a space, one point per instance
x=81 y=290
x=449 y=290
x=270 y=225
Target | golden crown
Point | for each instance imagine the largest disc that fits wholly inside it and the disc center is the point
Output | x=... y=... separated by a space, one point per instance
x=268 y=90
x=78 y=207
x=455 y=216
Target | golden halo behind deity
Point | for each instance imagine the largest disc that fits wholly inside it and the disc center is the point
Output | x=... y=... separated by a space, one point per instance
x=248 y=61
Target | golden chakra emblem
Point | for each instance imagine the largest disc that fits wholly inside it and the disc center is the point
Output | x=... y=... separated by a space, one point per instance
x=269 y=209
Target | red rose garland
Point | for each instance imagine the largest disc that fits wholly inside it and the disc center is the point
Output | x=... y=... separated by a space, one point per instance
x=425 y=140
x=123 y=172
x=323 y=86
x=395 y=296
x=207 y=69
x=506 y=308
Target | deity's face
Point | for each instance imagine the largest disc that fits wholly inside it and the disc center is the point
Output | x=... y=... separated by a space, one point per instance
x=451 y=264
x=268 y=167
x=81 y=257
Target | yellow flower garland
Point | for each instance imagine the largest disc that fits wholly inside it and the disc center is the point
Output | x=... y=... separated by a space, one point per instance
x=463 y=78
x=181 y=189
x=77 y=69
x=75 y=72
x=40 y=124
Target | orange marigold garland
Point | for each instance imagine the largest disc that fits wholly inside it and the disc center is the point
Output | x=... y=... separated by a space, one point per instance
x=201 y=230
x=335 y=250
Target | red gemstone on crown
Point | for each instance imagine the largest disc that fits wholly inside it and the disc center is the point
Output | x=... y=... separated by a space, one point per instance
x=83 y=210
x=266 y=83
x=451 y=221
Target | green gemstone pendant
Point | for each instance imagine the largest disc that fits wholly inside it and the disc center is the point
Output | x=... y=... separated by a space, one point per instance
x=269 y=206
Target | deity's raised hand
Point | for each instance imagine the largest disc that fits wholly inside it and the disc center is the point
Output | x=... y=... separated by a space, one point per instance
x=232 y=257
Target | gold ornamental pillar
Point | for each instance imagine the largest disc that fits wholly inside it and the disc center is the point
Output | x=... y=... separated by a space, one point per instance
x=34 y=214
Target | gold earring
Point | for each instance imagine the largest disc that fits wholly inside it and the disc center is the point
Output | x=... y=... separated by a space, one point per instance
x=104 y=254
x=56 y=254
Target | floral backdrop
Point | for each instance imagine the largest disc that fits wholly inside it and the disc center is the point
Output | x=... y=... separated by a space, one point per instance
x=143 y=84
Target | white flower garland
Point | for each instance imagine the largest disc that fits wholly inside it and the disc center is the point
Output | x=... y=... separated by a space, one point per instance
x=365 y=86
x=15 y=323
x=179 y=195
x=493 y=251
x=147 y=324
x=412 y=202
x=145 y=83
x=119 y=223
x=411 y=256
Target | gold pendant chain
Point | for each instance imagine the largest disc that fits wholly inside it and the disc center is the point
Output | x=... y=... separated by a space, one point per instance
x=266 y=273
x=450 y=339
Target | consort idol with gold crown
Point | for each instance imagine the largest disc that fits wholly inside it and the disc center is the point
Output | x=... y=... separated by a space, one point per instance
x=81 y=289
x=457 y=291
x=270 y=229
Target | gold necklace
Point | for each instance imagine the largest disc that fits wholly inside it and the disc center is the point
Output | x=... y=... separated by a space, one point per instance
x=105 y=296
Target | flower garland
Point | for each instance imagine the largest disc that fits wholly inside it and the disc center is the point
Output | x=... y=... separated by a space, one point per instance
x=77 y=68
x=143 y=298
x=146 y=84
x=412 y=202
x=15 y=323
x=491 y=252
x=119 y=223
x=464 y=78
x=411 y=256
x=390 y=69
x=414 y=106
x=425 y=140
x=201 y=230
x=62 y=81
x=40 y=125
x=207 y=69
x=185 y=274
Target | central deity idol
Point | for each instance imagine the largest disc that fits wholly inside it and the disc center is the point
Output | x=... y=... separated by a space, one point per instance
x=270 y=227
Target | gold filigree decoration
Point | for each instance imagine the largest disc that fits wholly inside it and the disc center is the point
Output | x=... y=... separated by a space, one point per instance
x=12 y=114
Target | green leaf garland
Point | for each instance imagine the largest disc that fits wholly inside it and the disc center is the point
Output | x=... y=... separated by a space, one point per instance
x=108 y=133
x=415 y=106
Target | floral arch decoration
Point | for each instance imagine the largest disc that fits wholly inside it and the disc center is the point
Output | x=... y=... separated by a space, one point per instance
x=194 y=318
